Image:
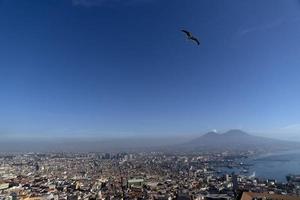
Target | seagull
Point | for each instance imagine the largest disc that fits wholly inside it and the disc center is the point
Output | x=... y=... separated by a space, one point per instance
x=190 y=36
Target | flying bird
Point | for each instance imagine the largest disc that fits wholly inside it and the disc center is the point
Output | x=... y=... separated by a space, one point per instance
x=190 y=36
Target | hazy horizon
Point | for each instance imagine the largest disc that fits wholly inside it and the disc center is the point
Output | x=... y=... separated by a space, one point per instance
x=142 y=143
x=123 y=69
x=175 y=137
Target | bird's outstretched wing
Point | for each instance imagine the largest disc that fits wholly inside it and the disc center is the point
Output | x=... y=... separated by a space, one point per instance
x=196 y=40
x=189 y=34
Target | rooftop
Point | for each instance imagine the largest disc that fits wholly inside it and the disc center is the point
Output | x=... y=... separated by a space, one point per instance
x=252 y=195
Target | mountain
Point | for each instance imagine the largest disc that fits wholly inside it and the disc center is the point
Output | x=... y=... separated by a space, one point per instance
x=230 y=140
x=235 y=133
x=236 y=140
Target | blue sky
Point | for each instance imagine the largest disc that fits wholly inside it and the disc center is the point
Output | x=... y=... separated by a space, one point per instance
x=112 y=68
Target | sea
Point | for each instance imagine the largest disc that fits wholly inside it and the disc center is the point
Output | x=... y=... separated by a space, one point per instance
x=275 y=165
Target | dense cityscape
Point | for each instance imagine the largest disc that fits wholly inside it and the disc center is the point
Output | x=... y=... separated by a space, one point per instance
x=152 y=175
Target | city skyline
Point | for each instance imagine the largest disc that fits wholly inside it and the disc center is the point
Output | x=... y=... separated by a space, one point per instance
x=123 y=68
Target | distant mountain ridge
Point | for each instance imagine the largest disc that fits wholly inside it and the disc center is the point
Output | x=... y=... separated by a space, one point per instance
x=236 y=139
x=236 y=132
x=231 y=140
x=230 y=133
